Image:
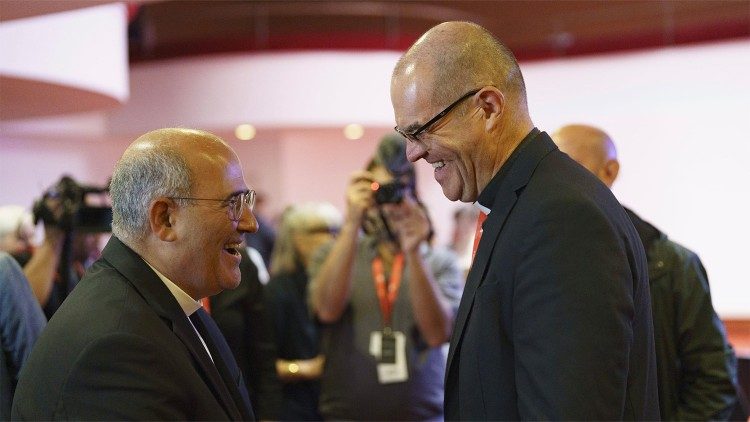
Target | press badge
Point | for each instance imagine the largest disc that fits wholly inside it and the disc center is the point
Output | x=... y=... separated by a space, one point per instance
x=389 y=348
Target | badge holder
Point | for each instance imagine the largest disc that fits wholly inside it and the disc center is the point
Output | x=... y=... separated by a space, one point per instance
x=389 y=348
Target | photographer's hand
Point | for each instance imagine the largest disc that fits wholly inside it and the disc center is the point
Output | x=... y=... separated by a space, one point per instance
x=359 y=196
x=42 y=267
x=430 y=308
x=330 y=289
x=409 y=223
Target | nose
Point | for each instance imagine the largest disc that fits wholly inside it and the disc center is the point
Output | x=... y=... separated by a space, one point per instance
x=415 y=150
x=247 y=222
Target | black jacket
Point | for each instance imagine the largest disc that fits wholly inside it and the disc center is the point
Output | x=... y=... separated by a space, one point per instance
x=696 y=367
x=121 y=348
x=242 y=318
x=555 y=319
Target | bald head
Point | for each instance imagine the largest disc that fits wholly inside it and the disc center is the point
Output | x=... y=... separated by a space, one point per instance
x=455 y=57
x=459 y=97
x=592 y=148
x=160 y=163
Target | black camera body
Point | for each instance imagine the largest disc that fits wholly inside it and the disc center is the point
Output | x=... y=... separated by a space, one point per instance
x=390 y=193
x=76 y=214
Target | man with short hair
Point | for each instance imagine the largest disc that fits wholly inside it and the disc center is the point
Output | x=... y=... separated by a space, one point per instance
x=131 y=341
x=555 y=319
x=696 y=368
x=386 y=299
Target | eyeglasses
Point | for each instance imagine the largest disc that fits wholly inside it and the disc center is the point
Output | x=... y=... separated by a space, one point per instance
x=236 y=203
x=414 y=135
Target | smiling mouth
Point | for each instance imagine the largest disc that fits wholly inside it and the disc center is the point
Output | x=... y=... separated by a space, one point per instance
x=233 y=249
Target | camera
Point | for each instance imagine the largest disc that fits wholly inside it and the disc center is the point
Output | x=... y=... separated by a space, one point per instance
x=390 y=193
x=76 y=213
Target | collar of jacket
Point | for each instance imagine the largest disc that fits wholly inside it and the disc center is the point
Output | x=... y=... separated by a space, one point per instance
x=658 y=261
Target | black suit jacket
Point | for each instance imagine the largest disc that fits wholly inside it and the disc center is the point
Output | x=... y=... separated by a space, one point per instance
x=241 y=316
x=555 y=319
x=120 y=347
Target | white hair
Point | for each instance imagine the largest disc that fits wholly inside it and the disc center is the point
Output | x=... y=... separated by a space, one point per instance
x=138 y=178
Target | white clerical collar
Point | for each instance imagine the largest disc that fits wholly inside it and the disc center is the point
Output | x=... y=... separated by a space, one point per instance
x=482 y=208
x=187 y=303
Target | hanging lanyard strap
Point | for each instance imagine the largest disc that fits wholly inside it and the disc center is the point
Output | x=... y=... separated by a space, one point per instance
x=387 y=293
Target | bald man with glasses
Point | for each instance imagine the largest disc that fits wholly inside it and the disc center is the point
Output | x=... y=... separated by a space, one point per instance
x=132 y=340
x=555 y=319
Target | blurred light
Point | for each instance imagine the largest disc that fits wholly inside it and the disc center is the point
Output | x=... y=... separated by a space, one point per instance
x=354 y=131
x=245 y=132
x=375 y=186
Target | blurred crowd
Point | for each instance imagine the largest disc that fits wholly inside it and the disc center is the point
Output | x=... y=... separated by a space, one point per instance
x=201 y=307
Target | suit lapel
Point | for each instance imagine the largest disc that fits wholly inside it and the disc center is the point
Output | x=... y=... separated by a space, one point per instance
x=491 y=230
x=514 y=178
x=208 y=368
x=222 y=359
x=161 y=300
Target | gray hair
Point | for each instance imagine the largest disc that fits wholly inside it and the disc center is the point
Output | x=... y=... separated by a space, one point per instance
x=308 y=216
x=140 y=177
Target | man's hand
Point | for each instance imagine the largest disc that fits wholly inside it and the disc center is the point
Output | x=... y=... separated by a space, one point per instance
x=359 y=196
x=408 y=221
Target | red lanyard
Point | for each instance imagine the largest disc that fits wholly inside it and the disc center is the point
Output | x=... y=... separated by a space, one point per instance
x=387 y=293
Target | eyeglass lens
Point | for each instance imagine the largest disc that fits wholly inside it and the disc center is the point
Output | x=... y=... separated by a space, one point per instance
x=242 y=199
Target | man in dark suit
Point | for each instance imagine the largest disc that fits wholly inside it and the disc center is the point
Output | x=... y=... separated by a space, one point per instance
x=242 y=318
x=555 y=319
x=696 y=366
x=131 y=341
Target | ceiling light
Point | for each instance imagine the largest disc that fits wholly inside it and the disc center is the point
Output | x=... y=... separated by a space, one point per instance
x=245 y=132
x=354 y=131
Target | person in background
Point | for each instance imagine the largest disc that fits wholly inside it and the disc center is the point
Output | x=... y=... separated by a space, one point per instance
x=555 y=318
x=86 y=251
x=21 y=322
x=386 y=299
x=303 y=229
x=132 y=341
x=696 y=367
x=39 y=263
x=263 y=240
x=464 y=232
x=241 y=315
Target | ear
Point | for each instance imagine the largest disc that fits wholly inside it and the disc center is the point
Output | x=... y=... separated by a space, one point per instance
x=609 y=172
x=161 y=218
x=492 y=102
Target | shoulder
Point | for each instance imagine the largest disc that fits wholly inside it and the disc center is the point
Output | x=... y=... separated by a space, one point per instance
x=11 y=274
x=669 y=257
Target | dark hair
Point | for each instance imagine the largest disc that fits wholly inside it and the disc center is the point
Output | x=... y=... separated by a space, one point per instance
x=391 y=155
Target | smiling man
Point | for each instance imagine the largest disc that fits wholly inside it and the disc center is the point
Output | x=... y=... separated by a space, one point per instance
x=555 y=319
x=131 y=341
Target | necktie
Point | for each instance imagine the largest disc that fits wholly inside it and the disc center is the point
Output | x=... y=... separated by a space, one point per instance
x=217 y=371
x=203 y=334
x=478 y=234
x=206 y=303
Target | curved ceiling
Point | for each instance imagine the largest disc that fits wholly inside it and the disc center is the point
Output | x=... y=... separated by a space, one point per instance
x=532 y=29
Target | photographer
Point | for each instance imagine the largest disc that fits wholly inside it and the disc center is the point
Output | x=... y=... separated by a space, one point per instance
x=74 y=215
x=39 y=263
x=77 y=214
x=386 y=300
